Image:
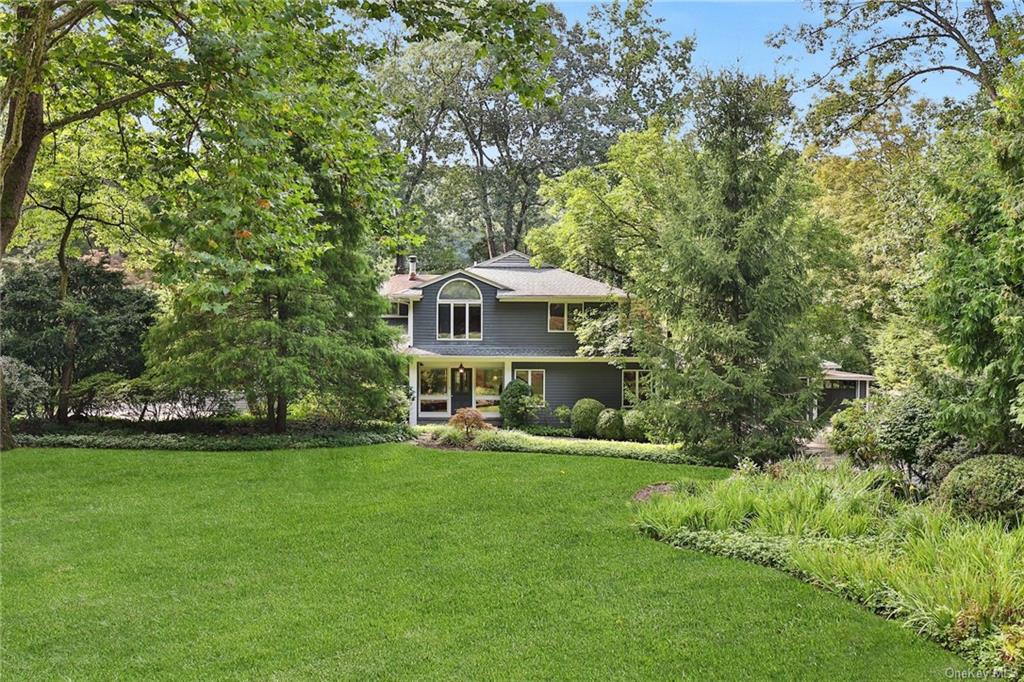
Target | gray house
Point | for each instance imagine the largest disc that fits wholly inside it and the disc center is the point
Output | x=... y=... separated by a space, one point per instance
x=469 y=332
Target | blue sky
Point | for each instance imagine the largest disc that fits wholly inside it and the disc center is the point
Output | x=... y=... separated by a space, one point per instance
x=732 y=33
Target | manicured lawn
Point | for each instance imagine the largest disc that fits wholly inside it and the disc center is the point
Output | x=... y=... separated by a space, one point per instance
x=391 y=561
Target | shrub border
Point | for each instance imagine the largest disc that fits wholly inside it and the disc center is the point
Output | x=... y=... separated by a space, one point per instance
x=773 y=552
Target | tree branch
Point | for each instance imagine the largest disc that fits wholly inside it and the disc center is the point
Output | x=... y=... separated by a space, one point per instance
x=110 y=104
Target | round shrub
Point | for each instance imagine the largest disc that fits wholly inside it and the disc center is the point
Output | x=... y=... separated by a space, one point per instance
x=609 y=424
x=583 y=419
x=854 y=434
x=515 y=403
x=986 y=488
x=904 y=423
x=635 y=425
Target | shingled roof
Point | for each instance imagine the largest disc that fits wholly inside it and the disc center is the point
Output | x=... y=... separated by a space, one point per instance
x=515 y=278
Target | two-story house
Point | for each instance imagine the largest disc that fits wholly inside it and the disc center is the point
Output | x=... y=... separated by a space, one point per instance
x=469 y=332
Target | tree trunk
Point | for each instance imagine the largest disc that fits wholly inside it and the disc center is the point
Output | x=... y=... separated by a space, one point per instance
x=6 y=435
x=67 y=370
x=270 y=412
x=17 y=177
x=281 y=418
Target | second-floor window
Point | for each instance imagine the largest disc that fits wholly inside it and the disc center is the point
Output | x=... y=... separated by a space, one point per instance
x=562 y=317
x=459 y=311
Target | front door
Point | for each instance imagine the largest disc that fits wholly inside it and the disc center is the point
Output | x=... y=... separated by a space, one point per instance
x=462 y=388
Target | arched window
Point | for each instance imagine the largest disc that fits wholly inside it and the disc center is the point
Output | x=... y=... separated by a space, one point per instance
x=459 y=311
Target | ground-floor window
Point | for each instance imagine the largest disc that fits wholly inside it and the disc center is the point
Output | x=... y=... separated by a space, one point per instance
x=535 y=378
x=487 y=389
x=434 y=390
x=636 y=386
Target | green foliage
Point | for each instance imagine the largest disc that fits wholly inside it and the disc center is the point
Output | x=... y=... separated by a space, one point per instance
x=635 y=425
x=975 y=262
x=514 y=403
x=547 y=430
x=789 y=499
x=25 y=389
x=711 y=233
x=609 y=424
x=204 y=432
x=855 y=433
x=847 y=531
x=941 y=452
x=988 y=488
x=92 y=393
x=476 y=154
x=218 y=443
x=905 y=423
x=875 y=52
x=563 y=413
x=110 y=320
x=503 y=440
x=584 y=417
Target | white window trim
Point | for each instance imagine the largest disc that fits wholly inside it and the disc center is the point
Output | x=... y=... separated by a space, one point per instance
x=636 y=388
x=583 y=308
x=447 y=395
x=543 y=372
x=451 y=312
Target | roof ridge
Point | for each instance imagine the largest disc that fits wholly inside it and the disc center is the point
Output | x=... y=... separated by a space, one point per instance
x=505 y=256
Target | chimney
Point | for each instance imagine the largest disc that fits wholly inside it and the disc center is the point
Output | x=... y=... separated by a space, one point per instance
x=412 y=267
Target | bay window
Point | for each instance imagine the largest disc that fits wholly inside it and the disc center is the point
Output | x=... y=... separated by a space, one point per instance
x=459 y=311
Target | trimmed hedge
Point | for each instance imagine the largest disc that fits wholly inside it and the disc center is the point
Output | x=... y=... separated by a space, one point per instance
x=989 y=488
x=517 y=441
x=609 y=424
x=585 y=414
x=546 y=430
x=121 y=440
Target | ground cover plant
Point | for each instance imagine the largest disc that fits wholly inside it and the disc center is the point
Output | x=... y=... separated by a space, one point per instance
x=395 y=562
x=957 y=581
x=213 y=434
x=510 y=440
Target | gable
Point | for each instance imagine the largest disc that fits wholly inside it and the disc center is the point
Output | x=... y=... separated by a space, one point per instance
x=511 y=259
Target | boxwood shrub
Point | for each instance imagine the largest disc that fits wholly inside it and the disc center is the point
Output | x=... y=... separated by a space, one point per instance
x=585 y=414
x=989 y=488
x=609 y=424
x=635 y=425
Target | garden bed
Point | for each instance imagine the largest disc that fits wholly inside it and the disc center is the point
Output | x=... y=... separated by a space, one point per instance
x=509 y=440
x=958 y=582
x=211 y=435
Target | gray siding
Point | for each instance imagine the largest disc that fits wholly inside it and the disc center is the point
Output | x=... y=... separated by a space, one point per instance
x=509 y=328
x=567 y=382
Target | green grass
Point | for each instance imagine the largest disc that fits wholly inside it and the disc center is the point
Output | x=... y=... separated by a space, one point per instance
x=391 y=561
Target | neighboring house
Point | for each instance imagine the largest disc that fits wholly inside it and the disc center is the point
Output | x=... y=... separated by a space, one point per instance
x=469 y=332
x=839 y=386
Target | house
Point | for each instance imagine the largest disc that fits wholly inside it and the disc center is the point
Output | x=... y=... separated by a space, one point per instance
x=839 y=387
x=469 y=332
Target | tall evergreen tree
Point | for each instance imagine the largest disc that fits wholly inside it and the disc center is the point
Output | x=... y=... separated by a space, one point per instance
x=709 y=232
